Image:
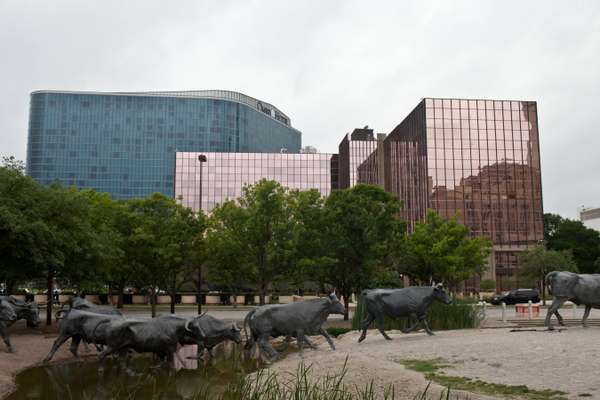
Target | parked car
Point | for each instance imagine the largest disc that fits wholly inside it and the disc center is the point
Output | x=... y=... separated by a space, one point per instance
x=517 y=296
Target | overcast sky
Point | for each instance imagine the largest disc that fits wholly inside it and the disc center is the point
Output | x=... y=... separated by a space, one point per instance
x=329 y=65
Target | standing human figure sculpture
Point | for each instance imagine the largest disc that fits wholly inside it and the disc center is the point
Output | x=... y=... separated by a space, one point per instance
x=412 y=302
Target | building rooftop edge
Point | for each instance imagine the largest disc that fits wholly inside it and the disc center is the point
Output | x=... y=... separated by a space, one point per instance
x=472 y=98
x=217 y=94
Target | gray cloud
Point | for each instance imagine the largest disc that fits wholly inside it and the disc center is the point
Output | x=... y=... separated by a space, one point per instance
x=331 y=66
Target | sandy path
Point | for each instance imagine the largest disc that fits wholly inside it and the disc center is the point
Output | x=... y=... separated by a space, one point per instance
x=568 y=361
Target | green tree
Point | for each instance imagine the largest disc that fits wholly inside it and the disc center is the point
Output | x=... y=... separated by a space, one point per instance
x=46 y=232
x=74 y=243
x=267 y=231
x=228 y=260
x=309 y=253
x=162 y=243
x=25 y=237
x=440 y=250
x=551 y=224
x=536 y=262
x=360 y=225
x=583 y=242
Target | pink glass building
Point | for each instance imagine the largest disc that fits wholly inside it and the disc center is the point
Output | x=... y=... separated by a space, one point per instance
x=225 y=174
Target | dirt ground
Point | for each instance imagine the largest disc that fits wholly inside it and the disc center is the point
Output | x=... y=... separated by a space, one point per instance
x=568 y=361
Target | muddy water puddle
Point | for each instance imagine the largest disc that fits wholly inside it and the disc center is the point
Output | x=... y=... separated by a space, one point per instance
x=141 y=377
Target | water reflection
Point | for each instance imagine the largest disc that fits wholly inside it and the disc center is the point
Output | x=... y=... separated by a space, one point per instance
x=141 y=377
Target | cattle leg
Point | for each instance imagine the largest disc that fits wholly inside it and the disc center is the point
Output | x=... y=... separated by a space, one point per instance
x=6 y=338
x=425 y=325
x=414 y=321
x=556 y=304
x=57 y=343
x=586 y=314
x=265 y=346
x=108 y=351
x=300 y=340
x=327 y=337
x=309 y=343
x=381 y=325
x=286 y=344
x=560 y=319
x=75 y=345
x=365 y=325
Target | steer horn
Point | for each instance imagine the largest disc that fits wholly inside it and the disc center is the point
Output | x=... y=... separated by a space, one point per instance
x=187 y=325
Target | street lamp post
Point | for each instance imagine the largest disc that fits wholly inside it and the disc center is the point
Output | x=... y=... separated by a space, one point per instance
x=201 y=159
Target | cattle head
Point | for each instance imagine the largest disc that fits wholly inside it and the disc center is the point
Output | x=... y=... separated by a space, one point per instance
x=335 y=306
x=234 y=334
x=192 y=326
x=31 y=313
x=7 y=312
x=441 y=295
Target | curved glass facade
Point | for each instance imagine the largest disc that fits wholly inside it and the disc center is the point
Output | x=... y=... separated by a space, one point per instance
x=125 y=143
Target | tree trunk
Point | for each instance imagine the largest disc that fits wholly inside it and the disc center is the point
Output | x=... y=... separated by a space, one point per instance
x=199 y=290
x=121 y=287
x=153 y=301
x=262 y=272
x=10 y=286
x=49 y=300
x=263 y=292
x=173 y=294
x=346 y=304
x=544 y=292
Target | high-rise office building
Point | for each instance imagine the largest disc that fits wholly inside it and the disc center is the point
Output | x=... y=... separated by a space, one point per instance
x=354 y=149
x=125 y=143
x=590 y=217
x=477 y=160
x=222 y=176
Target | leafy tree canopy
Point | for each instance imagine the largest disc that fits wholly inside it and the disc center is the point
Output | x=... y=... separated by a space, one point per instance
x=583 y=242
x=441 y=250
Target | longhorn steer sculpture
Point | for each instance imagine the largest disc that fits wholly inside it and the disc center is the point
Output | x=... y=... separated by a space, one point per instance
x=28 y=311
x=290 y=320
x=578 y=288
x=81 y=325
x=7 y=317
x=213 y=331
x=412 y=302
x=79 y=303
x=160 y=335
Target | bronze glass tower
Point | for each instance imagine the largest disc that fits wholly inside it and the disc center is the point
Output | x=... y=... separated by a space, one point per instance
x=478 y=160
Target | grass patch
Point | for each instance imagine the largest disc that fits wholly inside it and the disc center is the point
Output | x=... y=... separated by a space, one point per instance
x=425 y=366
x=432 y=371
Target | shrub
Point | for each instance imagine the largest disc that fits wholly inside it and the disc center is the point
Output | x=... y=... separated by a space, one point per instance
x=461 y=314
x=487 y=285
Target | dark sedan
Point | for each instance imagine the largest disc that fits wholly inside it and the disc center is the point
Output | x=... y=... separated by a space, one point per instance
x=517 y=296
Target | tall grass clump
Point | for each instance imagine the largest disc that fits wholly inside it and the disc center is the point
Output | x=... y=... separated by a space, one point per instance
x=268 y=385
x=460 y=314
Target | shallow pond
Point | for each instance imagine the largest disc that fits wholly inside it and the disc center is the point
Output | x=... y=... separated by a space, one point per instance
x=141 y=377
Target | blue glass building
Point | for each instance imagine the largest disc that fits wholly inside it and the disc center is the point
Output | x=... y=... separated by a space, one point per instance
x=125 y=143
